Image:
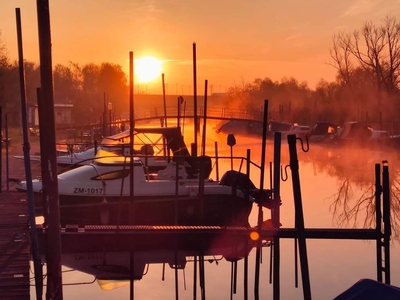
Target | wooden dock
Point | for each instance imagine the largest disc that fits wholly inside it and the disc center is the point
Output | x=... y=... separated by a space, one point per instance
x=14 y=247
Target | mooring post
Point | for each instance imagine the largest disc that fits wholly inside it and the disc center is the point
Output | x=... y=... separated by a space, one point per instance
x=1 y=150
x=28 y=172
x=386 y=218
x=131 y=166
x=196 y=125
x=378 y=217
x=246 y=258
x=203 y=140
x=7 y=154
x=299 y=216
x=276 y=213
x=260 y=210
x=164 y=101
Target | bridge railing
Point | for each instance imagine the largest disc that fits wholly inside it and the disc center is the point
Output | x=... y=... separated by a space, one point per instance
x=215 y=112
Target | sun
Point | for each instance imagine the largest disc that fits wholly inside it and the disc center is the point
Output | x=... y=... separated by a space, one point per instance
x=147 y=68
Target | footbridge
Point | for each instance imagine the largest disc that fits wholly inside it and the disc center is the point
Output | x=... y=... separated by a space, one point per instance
x=212 y=113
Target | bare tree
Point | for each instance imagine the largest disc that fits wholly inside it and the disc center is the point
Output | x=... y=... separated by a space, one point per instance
x=341 y=55
x=376 y=49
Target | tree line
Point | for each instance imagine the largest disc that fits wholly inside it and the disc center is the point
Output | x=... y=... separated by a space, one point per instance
x=366 y=86
x=87 y=87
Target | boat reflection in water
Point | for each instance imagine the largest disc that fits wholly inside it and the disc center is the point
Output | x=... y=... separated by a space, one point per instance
x=338 y=191
x=168 y=249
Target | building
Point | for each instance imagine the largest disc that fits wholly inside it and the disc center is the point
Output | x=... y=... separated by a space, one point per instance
x=62 y=114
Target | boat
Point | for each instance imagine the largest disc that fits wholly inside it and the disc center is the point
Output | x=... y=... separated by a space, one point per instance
x=323 y=132
x=155 y=145
x=360 y=134
x=101 y=193
x=370 y=289
x=301 y=131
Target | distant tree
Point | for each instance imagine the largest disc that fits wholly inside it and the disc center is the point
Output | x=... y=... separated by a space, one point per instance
x=376 y=50
x=4 y=65
x=67 y=83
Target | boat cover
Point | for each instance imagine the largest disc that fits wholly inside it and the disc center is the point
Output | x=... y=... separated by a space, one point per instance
x=368 y=289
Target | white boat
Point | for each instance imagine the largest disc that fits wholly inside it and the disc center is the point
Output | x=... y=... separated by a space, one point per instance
x=100 y=193
x=155 y=146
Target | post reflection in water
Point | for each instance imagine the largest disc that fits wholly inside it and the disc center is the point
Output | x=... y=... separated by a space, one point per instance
x=353 y=203
x=338 y=192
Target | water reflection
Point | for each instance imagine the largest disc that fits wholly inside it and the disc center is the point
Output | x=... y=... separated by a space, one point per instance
x=344 y=177
x=353 y=203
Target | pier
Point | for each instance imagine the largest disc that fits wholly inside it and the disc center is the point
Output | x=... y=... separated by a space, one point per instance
x=14 y=247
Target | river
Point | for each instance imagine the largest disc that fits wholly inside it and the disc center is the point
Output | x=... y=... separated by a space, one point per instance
x=337 y=186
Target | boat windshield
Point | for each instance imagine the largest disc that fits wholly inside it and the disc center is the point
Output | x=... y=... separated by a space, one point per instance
x=105 y=157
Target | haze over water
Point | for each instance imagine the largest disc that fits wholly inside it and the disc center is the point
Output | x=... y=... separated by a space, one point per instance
x=334 y=182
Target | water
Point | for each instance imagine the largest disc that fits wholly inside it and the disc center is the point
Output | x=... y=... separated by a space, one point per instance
x=335 y=184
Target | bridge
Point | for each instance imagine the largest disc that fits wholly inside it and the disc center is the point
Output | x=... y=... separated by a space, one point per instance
x=213 y=113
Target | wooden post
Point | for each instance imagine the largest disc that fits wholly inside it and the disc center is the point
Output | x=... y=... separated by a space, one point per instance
x=48 y=154
x=260 y=212
x=28 y=171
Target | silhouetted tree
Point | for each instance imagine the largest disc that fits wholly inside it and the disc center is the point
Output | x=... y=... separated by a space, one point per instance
x=376 y=50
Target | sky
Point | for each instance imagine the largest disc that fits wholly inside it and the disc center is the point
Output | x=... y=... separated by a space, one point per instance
x=237 y=41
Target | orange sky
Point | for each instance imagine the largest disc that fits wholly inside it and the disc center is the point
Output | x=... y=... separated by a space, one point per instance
x=237 y=40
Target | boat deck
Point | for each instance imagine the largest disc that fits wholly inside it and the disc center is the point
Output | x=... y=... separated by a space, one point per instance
x=14 y=247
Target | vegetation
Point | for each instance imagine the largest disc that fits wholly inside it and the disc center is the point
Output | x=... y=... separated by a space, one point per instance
x=366 y=86
x=85 y=86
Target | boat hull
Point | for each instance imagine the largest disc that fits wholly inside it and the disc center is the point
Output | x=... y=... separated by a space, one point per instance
x=214 y=209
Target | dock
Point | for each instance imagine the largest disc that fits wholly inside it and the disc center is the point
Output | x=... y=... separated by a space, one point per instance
x=14 y=247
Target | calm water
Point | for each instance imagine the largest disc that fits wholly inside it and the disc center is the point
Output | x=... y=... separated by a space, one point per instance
x=336 y=185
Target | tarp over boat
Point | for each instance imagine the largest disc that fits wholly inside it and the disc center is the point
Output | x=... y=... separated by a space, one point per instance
x=368 y=289
x=172 y=135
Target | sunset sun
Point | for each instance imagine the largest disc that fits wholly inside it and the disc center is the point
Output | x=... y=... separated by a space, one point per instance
x=148 y=68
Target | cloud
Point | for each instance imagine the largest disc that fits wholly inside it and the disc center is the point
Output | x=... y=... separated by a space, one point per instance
x=149 y=7
x=362 y=7
x=294 y=37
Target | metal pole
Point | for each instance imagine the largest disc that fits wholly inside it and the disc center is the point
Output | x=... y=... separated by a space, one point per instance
x=276 y=214
x=178 y=121
x=196 y=129
x=132 y=119
x=246 y=258
x=386 y=219
x=260 y=212
x=203 y=144
x=164 y=100
x=131 y=164
x=216 y=161
x=378 y=212
x=1 y=150
x=7 y=153
x=110 y=120
x=26 y=148
x=299 y=216
x=104 y=114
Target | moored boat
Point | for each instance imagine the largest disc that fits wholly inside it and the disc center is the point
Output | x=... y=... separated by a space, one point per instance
x=100 y=193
